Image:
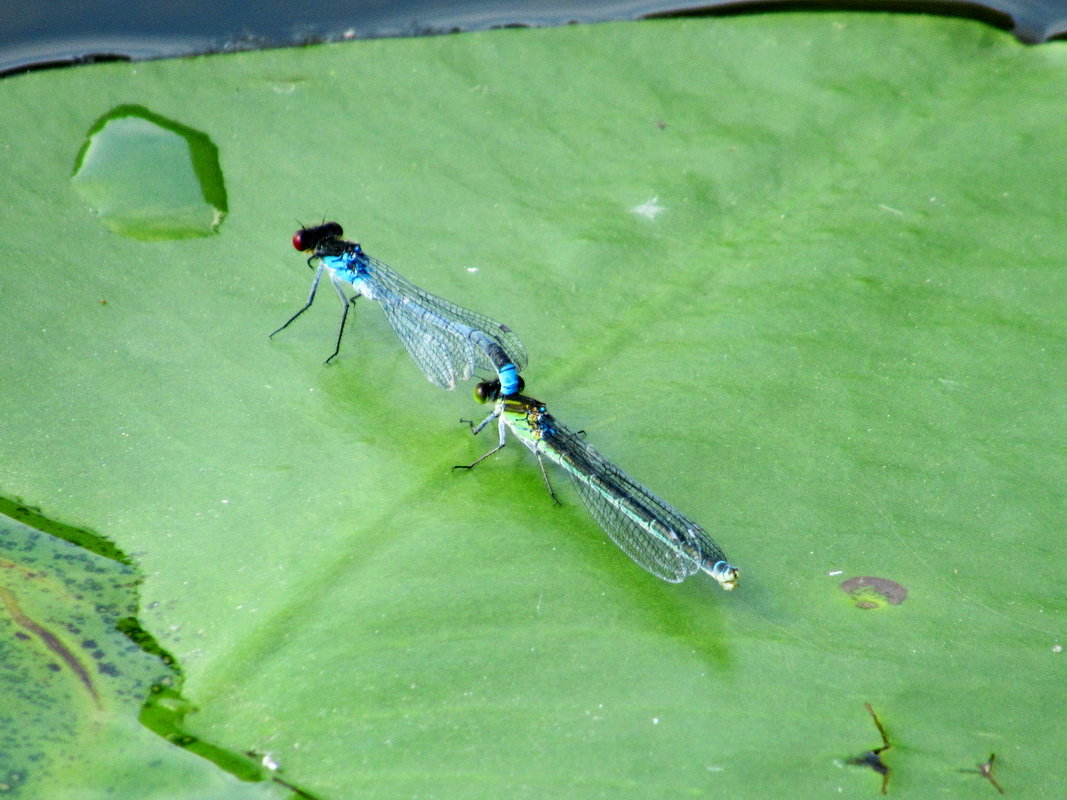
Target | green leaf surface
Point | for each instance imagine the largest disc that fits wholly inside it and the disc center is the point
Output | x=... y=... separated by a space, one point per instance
x=801 y=275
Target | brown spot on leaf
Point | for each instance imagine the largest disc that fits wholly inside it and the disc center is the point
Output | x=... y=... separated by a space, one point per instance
x=869 y=592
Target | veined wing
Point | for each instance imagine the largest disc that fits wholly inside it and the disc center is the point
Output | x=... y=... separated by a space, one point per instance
x=437 y=352
x=445 y=339
x=648 y=530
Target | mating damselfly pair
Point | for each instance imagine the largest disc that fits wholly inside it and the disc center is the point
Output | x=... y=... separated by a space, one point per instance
x=450 y=344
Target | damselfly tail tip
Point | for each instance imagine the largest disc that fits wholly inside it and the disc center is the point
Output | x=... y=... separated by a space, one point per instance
x=509 y=381
x=491 y=391
x=725 y=573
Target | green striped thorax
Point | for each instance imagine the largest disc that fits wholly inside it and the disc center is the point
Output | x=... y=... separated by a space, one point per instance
x=526 y=416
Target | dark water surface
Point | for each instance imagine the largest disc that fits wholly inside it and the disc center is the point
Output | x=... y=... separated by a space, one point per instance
x=40 y=33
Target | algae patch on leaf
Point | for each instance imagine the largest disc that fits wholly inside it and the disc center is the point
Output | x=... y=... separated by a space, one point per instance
x=70 y=670
x=90 y=700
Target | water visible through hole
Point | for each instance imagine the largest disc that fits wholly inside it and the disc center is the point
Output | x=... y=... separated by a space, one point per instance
x=149 y=177
x=78 y=670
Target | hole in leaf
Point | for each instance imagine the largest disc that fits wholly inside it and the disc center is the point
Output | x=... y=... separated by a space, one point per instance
x=149 y=177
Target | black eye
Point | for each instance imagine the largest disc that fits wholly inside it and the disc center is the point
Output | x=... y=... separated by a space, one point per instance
x=487 y=391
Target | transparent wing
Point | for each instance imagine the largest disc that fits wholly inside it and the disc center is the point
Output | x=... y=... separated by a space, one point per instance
x=648 y=530
x=433 y=350
x=448 y=342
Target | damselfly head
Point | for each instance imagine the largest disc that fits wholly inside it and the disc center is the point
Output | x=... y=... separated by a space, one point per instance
x=487 y=391
x=308 y=239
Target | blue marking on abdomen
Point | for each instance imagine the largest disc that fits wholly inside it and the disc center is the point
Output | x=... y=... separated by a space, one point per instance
x=509 y=379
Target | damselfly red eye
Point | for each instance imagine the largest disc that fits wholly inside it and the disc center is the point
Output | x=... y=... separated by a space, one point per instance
x=307 y=239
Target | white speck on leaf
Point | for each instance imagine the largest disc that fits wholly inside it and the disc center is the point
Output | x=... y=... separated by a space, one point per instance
x=650 y=209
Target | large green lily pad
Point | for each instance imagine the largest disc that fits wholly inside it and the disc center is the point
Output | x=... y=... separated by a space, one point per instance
x=803 y=275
